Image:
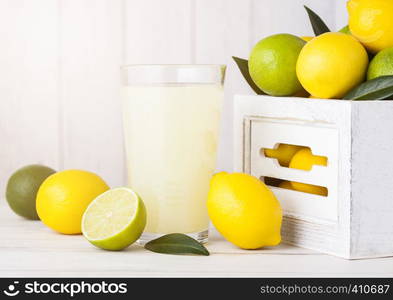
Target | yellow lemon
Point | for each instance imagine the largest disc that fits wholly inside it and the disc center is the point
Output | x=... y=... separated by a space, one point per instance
x=305 y=160
x=283 y=153
x=331 y=64
x=371 y=22
x=309 y=188
x=286 y=185
x=64 y=196
x=244 y=210
x=307 y=38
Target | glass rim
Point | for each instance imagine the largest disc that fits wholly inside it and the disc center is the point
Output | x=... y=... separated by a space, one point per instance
x=136 y=74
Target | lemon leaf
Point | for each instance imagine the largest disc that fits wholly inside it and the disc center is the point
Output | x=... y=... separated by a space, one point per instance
x=318 y=25
x=379 y=88
x=176 y=243
x=243 y=67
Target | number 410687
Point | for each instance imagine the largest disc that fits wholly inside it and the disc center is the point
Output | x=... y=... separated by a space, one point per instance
x=370 y=289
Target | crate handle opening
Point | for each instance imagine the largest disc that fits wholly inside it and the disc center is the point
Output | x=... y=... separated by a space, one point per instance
x=295 y=186
x=294 y=156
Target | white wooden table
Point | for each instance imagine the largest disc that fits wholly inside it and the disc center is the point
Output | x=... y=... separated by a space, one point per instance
x=28 y=248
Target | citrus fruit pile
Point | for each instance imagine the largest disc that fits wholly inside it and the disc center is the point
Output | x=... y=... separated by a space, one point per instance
x=72 y=202
x=355 y=63
x=76 y=201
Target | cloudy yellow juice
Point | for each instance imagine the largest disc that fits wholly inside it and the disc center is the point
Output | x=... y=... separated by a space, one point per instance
x=171 y=133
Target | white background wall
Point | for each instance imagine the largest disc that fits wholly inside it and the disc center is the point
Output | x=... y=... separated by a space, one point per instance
x=59 y=68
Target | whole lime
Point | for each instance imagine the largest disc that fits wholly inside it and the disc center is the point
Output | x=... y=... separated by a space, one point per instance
x=22 y=188
x=345 y=30
x=272 y=64
x=381 y=64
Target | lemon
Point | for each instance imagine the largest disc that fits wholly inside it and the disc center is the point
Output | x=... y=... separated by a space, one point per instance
x=307 y=38
x=309 y=188
x=286 y=185
x=115 y=219
x=371 y=22
x=331 y=64
x=64 y=196
x=305 y=160
x=272 y=64
x=22 y=188
x=283 y=153
x=381 y=64
x=244 y=210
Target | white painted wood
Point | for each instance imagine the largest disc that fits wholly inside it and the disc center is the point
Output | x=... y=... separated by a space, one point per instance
x=91 y=55
x=288 y=16
x=158 y=32
x=341 y=14
x=28 y=85
x=372 y=171
x=69 y=74
x=358 y=206
x=323 y=140
x=222 y=31
x=28 y=249
x=303 y=227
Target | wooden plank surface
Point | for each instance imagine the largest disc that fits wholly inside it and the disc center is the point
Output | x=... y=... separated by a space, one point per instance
x=222 y=31
x=28 y=85
x=91 y=56
x=158 y=32
x=341 y=14
x=27 y=248
x=60 y=78
x=288 y=16
x=59 y=106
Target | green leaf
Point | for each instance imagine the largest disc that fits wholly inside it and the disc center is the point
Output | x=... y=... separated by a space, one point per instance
x=243 y=66
x=317 y=24
x=379 y=88
x=176 y=243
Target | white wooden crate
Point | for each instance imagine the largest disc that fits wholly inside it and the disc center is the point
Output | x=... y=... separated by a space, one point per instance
x=355 y=220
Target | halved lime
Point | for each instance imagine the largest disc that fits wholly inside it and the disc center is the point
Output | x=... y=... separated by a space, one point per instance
x=115 y=219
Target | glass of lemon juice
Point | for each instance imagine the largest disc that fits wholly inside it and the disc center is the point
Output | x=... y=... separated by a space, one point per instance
x=171 y=116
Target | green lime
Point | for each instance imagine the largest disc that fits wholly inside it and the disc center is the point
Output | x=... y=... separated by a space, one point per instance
x=381 y=64
x=115 y=219
x=272 y=64
x=345 y=30
x=22 y=189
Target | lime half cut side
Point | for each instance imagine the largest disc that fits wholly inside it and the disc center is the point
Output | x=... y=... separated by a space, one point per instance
x=115 y=219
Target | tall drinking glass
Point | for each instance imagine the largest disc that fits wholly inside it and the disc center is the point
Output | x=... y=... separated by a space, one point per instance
x=171 y=116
